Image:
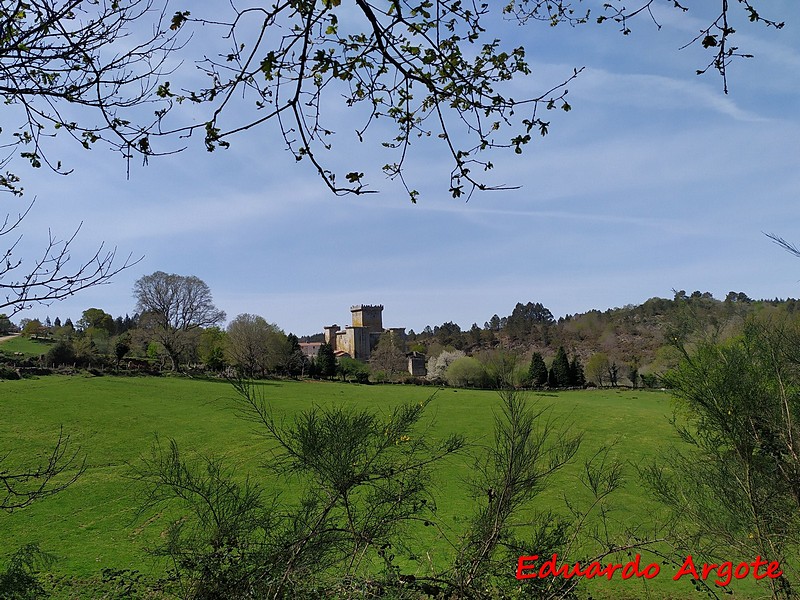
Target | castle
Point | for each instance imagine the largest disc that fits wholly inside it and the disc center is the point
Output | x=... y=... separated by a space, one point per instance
x=360 y=339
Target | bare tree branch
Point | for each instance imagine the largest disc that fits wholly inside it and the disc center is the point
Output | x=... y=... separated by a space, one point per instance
x=21 y=486
x=52 y=276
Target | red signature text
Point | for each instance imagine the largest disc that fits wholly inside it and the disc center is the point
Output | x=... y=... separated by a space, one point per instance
x=723 y=573
x=726 y=571
x=528 y=569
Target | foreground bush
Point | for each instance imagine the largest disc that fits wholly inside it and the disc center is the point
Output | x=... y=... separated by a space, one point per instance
x=368 y=484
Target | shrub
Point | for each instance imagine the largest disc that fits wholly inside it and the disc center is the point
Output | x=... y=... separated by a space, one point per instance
x=366 y=478
x=18 y=581
x=62 y=353
x=8 y=373
x=466 y=372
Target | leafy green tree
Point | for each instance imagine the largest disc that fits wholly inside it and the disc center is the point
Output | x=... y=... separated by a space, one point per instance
x=526 y=319
x=492 y=324
x=613 y=373
x=537 y=372
x=5 y=324
x=350 y=369
x=326 y=361
x=96 y=318
x=633 y=372
x=65 y=332
x=86 y=350
x=467 y=372
x=559 y=370
x=211 y=348
x=449 y=334
x=122 y=346
x=597 y=367
x=31 y=327
x=61 y=353
x=475 y=335
x=501 y=369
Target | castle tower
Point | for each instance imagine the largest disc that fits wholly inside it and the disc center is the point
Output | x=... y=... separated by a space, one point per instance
x=330 y=335
x=368 y=316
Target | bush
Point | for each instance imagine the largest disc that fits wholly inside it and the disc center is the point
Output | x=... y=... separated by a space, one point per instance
x=351 y=369
x=467 y=372
x=8 y=373
x=18 y=581
x=734 y=489
x=650 y=380
x=365 y=478
x=61 y=354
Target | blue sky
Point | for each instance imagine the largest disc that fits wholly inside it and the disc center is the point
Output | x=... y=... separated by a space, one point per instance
x=654 y=181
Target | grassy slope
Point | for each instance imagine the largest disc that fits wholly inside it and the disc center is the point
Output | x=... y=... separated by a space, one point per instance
x=114 y=420
x=26 y=346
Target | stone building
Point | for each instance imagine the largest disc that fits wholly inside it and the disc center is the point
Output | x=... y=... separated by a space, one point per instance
x=360 y=339
x=310 y=349
x=416 y=364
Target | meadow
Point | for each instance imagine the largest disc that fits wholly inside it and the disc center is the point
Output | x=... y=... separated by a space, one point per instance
x=113 y=421
x=25 y=345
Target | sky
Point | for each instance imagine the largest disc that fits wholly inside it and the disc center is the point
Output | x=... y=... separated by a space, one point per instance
x=655 y=181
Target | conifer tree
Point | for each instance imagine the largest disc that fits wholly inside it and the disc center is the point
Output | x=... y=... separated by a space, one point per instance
x=577 y=377
x=560 y=371
x=326 y=361
x=537 y=372
x=296 y=361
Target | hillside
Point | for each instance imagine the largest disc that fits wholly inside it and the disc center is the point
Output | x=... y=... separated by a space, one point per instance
x=631 y=335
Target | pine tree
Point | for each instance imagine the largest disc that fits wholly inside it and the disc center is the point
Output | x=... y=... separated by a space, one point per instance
x=537 y=372
x=295 y=361
x=326 y=361
x=560 y=369
x=577 y=377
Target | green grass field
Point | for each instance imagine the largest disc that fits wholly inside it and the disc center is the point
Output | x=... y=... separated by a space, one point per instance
x=26 y=346
x=114 y=421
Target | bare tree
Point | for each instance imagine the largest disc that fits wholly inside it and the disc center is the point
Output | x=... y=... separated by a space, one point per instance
x=51 y=276
x=389 y=356
x=175 y=305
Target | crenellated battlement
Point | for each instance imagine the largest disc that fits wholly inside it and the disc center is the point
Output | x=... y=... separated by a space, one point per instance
x=369 y=316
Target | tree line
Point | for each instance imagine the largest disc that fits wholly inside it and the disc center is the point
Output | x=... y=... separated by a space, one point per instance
x=176 y=326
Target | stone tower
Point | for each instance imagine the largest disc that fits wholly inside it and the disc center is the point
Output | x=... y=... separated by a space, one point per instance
x=368 y=316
